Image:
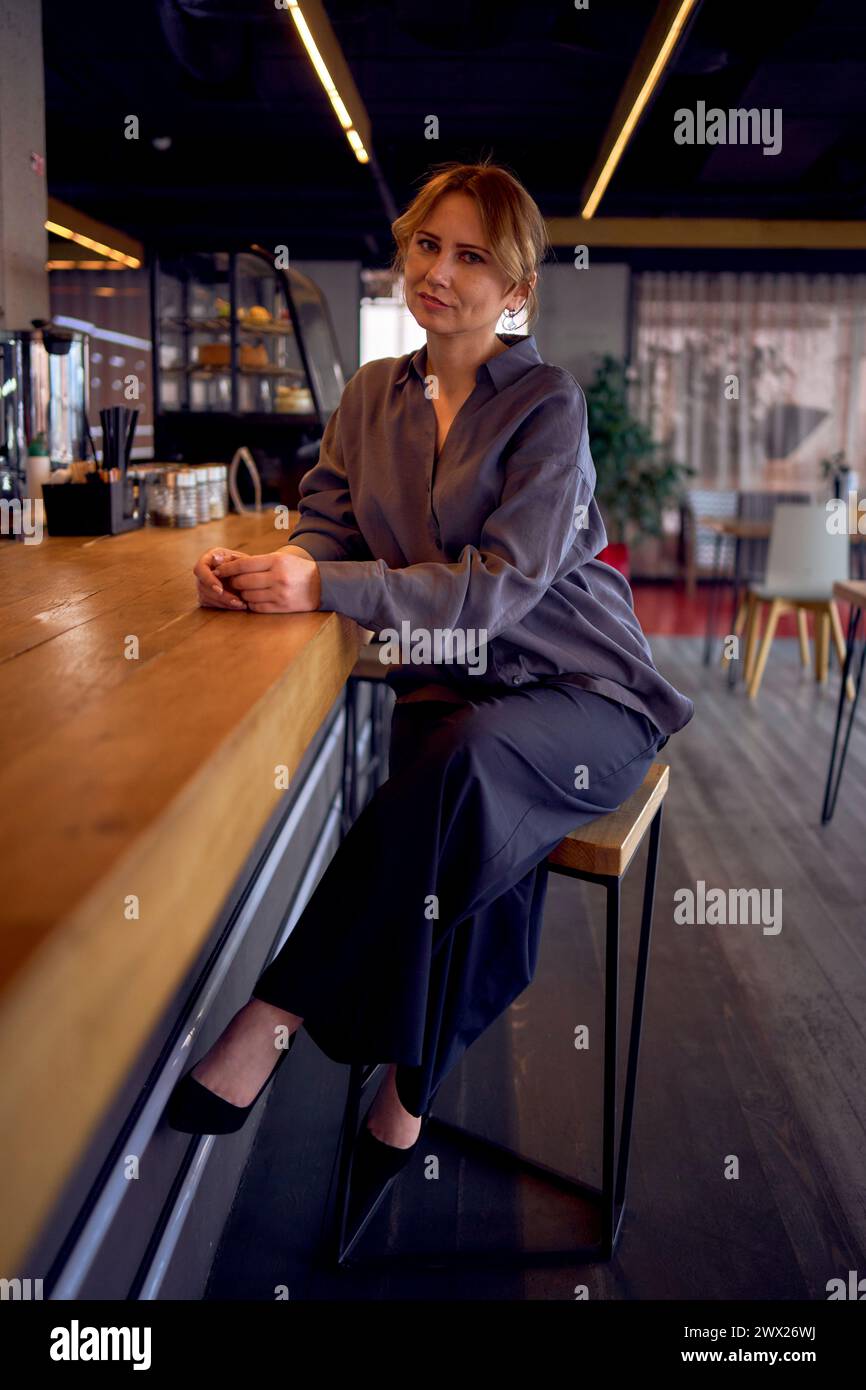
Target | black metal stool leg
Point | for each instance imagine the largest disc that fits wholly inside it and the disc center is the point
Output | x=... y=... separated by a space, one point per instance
x=349 y=786
x=638 y=1004
x=359 y=1076
x=383 y=733
x=713 y=602
x=831 y=790
x=611 y=1022
x=739 y=591
x=377 y=734
x=615 y=1180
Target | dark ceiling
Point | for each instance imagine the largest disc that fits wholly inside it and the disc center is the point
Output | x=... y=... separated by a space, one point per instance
x=256 y=152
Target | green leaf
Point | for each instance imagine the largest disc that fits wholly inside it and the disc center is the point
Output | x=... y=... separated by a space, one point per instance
x=636 y=477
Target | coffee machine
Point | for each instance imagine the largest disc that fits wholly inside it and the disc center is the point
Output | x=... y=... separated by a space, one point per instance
x=44 y=375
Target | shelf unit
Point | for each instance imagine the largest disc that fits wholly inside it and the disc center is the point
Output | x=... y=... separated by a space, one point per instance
x=203 y=410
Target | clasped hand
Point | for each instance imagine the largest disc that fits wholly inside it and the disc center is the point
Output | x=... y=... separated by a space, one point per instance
x=280 y=581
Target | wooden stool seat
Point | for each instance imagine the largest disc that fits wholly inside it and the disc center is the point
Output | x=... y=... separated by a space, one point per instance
x=606 y=845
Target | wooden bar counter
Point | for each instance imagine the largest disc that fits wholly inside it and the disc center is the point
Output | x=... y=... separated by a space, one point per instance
x=143 y=741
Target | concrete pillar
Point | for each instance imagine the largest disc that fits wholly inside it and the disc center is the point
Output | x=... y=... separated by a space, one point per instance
x=583 y=314
x=24 y=291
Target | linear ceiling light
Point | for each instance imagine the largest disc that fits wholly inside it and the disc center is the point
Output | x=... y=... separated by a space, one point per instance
x=666 y=48
x=132 y=262
x=327 y=82
x=104 y=267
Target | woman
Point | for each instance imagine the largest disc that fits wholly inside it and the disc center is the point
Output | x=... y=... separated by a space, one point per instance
x=451 y=509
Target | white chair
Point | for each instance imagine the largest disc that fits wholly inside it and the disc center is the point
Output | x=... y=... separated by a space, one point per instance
x=804 y=562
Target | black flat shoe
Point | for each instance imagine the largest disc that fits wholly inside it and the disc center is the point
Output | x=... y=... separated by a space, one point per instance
x=375 y=1169
x=193 y=1109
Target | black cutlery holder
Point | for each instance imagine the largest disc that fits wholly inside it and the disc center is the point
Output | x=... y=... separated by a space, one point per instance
x=93 y=508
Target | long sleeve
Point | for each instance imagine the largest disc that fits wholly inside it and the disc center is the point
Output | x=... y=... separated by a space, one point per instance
x=546 y=513
x=327 y=529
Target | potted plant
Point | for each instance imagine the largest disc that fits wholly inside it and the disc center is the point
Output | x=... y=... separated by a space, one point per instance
x=636 y=478
x=838 y=469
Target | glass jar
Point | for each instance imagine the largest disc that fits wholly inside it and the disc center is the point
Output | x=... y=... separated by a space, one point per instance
x=161 y=500
x=145 y=474
x=202 y=493
x=186 y=505
x=219 y=502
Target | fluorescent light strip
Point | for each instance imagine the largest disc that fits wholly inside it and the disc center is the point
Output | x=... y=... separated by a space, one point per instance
x=102 y=266
x=108 y=335
x=327 y=82
x=82 y=240
x=634 y=114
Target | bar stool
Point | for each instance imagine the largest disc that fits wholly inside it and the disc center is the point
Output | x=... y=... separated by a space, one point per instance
x=598 y=852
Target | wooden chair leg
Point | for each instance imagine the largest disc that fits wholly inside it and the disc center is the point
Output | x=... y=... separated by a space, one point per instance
x=772 y=623
x=822 y=644
x=753 y=628
x=839 y=643
x=803 y=630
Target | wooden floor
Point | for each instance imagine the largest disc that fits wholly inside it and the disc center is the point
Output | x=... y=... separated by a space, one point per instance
x=754 y=1054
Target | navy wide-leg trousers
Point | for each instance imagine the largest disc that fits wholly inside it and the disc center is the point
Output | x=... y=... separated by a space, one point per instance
x=426 y=924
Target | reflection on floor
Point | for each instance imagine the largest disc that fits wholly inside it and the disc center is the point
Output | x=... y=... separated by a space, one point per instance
x=747 y=1174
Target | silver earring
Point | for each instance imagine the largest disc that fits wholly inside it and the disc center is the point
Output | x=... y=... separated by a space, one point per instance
x=509 y=315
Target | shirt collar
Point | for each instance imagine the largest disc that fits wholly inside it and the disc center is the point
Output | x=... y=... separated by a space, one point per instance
x=502 y=369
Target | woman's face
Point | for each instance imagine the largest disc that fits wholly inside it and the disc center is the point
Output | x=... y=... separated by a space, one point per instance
x=452 y=283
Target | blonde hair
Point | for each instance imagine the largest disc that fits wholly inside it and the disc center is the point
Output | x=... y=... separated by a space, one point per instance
x=512 y=221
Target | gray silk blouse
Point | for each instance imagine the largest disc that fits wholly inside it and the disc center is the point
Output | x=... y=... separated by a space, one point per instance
x=479 y=564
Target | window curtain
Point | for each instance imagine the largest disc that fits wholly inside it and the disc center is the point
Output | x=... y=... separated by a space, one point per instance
x=796 y=345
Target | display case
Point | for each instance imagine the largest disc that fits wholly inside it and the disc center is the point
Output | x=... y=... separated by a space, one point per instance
x=244 y=353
